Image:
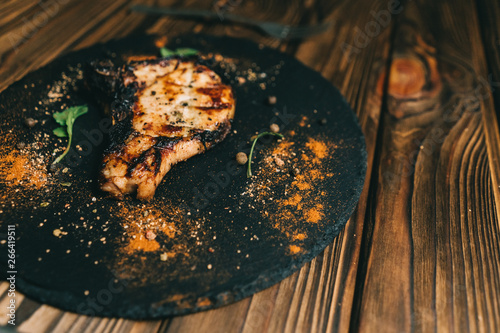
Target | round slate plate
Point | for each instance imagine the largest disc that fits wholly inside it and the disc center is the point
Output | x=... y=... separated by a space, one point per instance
x=224 y=236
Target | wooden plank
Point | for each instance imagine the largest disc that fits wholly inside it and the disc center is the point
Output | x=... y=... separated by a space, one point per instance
x=226 y=319
x=65 y=28
x=428 y=261
x=13 y=10
x=488 y=13
x=41 y=320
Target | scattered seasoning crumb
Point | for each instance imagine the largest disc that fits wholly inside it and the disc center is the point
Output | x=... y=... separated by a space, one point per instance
x=44 y=204
x=274 y=128
x=164 y=256
x=299 y=236
x=86 y=292
x=279 y=162
x=150 y=235
x=294 y=249
x=303 y=121
x=56 y=232
x=271 y=100
x=209 y=266
x=322 y=121
x=315 y=214
x=241 y=158
x=30 y=122
x=319 y=148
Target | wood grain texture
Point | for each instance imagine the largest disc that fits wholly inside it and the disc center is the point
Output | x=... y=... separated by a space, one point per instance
x=421 y=252
x=488 y=14
x=433 y=181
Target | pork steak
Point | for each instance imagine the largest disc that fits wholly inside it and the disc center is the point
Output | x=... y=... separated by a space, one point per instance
x=164 y=110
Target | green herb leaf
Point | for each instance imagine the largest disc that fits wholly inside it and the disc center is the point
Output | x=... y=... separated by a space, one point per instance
x=60 y=117
x=249 y=170
x=60 y=132
x=182 y=52
x=186 y=52
x=166 y=52
x=67 y=118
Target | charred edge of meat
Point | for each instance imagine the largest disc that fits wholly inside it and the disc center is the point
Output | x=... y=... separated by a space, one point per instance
x=118 y=135
x=164 y=61
x=210 y=138
x=106 y=81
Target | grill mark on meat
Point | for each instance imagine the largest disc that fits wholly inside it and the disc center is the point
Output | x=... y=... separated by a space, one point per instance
x=138 y=162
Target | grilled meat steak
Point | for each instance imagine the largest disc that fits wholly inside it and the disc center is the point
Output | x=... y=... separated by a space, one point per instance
x=163 y=111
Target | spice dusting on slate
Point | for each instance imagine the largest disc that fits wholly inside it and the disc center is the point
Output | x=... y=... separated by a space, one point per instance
x=251 y=73
x=151 y=235
x=21 y=167
x=302 y=204
x=17 y=168
x=68 y=82
x=294 y=249
x=24 y=157
x=144 y=225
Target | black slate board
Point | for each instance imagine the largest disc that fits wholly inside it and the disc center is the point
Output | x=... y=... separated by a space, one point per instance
x=234 y=250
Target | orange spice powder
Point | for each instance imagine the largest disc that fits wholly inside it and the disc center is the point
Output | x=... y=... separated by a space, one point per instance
x=314 y=215
x=300 y=205
x=13 y=167
x=141 y=219
x=293 y=201
x=139 y=242
x=16 y=168
x=319 y=148
x=299 y=236
x=294 y=249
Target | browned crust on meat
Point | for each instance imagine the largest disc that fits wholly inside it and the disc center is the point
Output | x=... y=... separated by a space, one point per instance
x=145 y=145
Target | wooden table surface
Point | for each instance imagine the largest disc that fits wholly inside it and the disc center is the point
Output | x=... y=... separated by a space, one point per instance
x=422 y=250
